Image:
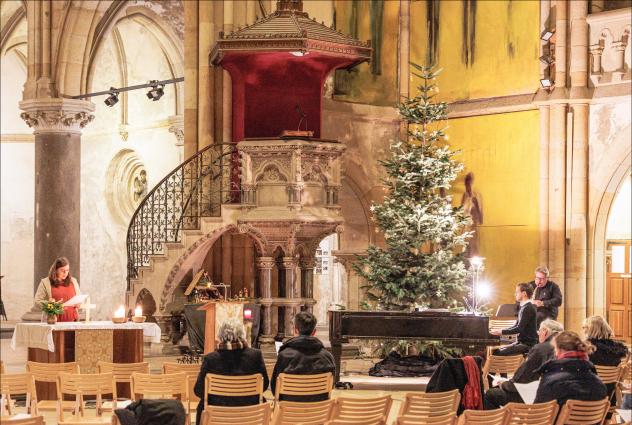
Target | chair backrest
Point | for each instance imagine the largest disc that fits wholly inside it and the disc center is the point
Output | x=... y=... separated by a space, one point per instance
x=484 y=417
x=609 y=374
x=18 y=383
x=47 y=372
x=167 y=385
x=578 y=412
x=430 y=404
x=258 y=414
x=351 y=408
x=312 y=413
x=192 y=370
x=448 y=419
x=304 y=385
x=122 y=371
x=79 y=385
x=33 y=420
x=500 y=364
x=233 y=386
x=376 y=420
x=532 y=414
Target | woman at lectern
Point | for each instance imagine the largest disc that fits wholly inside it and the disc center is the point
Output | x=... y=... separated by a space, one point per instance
x=59 y=285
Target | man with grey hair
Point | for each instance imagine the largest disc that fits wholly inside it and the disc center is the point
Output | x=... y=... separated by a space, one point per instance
x=547 y=296
x=538 y=355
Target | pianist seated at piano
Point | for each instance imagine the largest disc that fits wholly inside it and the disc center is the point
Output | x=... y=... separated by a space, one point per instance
x=525 y=327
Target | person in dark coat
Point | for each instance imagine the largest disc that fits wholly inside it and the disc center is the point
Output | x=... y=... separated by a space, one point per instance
x=608 y=352
x=570 y=376
x=547 y=296
x=303 y=355
x=525 y=327
x=452 y=375
x=232 y=357
x=538 y=355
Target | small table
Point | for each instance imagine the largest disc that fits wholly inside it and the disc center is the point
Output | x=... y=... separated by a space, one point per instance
x=84 y=343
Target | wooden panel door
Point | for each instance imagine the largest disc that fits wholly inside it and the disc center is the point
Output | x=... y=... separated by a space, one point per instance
x=619 y=289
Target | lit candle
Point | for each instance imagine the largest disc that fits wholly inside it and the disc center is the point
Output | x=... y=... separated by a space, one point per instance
x=248 y=314
x=120 y=312
x=138 y=311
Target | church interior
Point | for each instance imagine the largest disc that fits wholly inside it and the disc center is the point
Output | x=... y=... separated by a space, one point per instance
x=189 y=163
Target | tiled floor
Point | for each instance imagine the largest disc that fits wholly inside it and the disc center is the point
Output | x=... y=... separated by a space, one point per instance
x=364 y=386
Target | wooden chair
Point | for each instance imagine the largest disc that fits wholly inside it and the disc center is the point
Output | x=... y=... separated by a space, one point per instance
x=306 y=413
x=447 y=419
x=578 y=412
x=167 y=385
x=48 y=372
x=500 y=364
x=33 y=420
x=18 y=383
x=258 y=414
x=2 y=370
x=92 y=384
x=351 y=408
x=532 y=414
x=233 y=386
x=430 y=404
x=122 y=373
x=612 y=375
x=304 y=385
x=484 y=417
x=369 y=420
x=191 y=371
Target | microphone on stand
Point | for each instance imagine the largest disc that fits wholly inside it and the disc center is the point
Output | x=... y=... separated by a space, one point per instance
x=303 y=115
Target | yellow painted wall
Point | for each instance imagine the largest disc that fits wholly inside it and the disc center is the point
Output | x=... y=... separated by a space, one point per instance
x=503 y=153
x=364 y=86
x=506 y=48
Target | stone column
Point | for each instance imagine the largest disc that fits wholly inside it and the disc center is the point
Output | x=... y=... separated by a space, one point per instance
x=264 y=268
x=561 y=23
x=57 y=125
x=577 y=252
x=619 y=70
x=176 y=126
x=289 y=264
x=544 y=183
x=307 y=282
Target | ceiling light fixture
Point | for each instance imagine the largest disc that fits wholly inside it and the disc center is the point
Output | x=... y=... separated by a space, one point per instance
x=112 y=99
x=547 y=34
x=157 y=90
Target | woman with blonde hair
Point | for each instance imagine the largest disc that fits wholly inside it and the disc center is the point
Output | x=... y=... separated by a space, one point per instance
x=608 y=352
x=570 y=375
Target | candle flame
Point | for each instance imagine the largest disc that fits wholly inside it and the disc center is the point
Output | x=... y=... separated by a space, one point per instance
x=138 y=311
x=120 y=312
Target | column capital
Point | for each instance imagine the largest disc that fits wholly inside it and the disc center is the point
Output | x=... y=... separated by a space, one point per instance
x=308 y=262
x=57 y=115
x=265 y=263
x=289 y=262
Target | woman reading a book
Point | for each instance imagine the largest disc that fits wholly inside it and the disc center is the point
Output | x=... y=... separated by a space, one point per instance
x=59 y=286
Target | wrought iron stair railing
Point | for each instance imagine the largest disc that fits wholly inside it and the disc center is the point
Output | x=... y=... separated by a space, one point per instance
x=196 y=188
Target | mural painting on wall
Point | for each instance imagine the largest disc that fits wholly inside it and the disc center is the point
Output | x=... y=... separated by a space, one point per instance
x=378 y=20
x=472 y=205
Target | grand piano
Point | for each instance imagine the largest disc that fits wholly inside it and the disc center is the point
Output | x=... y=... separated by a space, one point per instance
x=466 y=331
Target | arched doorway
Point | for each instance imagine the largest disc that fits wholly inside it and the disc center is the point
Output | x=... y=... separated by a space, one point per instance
x=619 y=263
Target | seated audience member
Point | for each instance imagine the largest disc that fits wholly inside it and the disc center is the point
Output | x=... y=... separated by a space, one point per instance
x=525 y=326
x=538 y=355
x=303 y=355
x=570 y=376
x=608 y=352
x=232 y=357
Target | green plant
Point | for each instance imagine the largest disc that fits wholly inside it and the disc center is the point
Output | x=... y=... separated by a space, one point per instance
x=52 y=307
x=422 y=262
x=433 y=349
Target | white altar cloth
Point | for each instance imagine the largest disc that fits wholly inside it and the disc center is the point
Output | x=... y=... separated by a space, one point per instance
x=40 y=335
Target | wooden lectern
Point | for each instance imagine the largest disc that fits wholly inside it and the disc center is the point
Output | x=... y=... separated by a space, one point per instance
x=216 y=313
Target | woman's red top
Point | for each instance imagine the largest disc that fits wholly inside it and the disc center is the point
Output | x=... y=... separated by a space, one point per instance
x=65 y=293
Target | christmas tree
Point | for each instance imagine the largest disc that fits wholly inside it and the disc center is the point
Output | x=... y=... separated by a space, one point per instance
x=422 y=262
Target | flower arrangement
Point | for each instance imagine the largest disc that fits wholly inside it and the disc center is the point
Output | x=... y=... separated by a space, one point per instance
x=52 y=307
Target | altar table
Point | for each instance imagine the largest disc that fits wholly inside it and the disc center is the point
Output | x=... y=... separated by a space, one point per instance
x=84 y=343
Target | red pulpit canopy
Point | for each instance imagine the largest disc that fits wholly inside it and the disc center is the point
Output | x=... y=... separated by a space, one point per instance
x=278 y=66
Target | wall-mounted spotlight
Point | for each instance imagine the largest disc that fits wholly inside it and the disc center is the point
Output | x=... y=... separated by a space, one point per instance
x=157 y=90
x=546 y=83
x=112 y=99
x=547 y=34
x=547 y=60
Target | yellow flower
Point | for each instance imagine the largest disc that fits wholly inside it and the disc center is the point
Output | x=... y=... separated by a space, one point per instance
x=50 y=305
